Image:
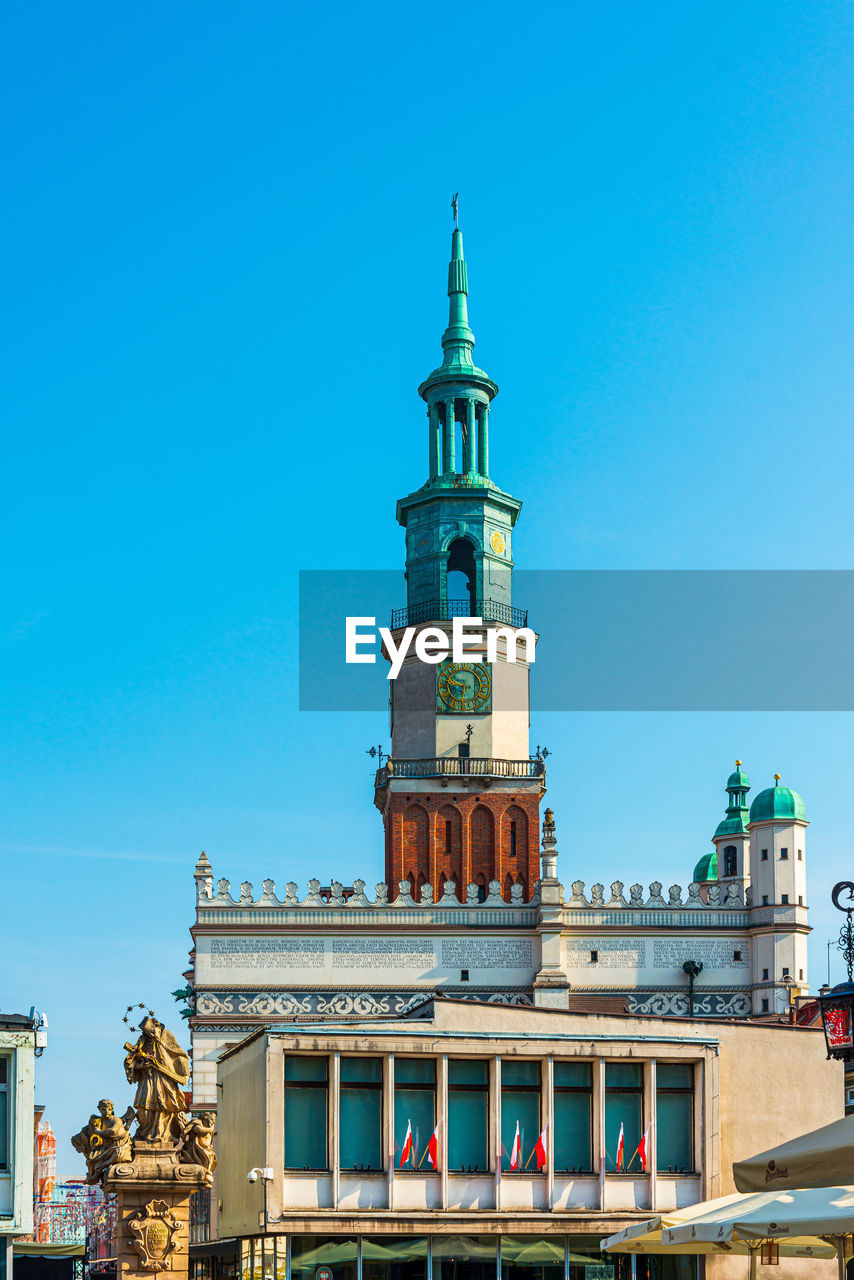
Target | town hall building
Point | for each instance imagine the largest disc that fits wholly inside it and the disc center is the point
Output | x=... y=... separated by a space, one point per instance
x=471 y=999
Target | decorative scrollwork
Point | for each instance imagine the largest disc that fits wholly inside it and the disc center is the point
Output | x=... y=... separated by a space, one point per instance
x=846 y=933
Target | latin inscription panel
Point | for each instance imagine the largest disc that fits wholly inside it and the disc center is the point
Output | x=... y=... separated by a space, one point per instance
x=266 y=953
x=487 y=953
x=718 y=953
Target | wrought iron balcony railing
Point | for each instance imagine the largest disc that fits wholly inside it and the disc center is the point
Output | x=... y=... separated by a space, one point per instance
x=445 y=610
x=460 y=767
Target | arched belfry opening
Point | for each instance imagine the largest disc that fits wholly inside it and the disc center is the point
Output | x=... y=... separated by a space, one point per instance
x=462 y=574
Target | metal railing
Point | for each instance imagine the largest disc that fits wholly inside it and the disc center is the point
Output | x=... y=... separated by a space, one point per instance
x=445 y=610
x=460 y=767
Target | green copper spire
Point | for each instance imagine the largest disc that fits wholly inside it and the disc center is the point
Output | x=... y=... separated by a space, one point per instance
x=458 y=394
x=458 y=339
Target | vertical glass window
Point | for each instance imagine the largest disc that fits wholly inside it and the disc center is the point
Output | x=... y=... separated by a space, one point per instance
x=361 y=1113
x=468 y=1117
x=512 y=839
x=4 y=1114
x=623 y=1106
x=532 y=1257
x=520 y=1104
x=394 y=1257
x=464 y=1257
x=730 y=860
x=674 y=1103
x=306 y=1086
x=414 y=1106
x=573 y=1110
x=310 y=1252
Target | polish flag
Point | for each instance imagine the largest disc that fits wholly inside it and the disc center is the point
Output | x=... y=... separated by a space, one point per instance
x=620 y=1150
x=516 y=1153
x=540 y=1154
x=433 y=1149
x=406 y=1153
x=642 y=1147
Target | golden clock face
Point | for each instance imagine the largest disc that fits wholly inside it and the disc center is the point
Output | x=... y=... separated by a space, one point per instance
x=497 y=543
x=463 y=688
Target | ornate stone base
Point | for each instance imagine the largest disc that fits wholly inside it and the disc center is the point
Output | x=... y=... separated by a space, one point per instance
x=153 y=1194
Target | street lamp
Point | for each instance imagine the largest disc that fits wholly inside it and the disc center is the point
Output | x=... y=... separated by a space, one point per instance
x=837 y=1005
x=266 y=1175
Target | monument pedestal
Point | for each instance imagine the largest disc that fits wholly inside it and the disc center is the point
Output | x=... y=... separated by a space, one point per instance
x=153 y=1210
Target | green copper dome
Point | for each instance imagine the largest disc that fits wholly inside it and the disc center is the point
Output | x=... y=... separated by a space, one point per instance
x=738 y=780
x=707 y=867
x=735 y=826
x=777 y=803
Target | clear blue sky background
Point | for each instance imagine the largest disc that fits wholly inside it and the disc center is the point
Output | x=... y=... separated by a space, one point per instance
x=225 y=237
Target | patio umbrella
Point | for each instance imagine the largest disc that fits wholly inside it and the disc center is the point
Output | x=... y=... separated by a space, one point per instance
x=819 y=1159
x=821 y=1213
x=646 y=1237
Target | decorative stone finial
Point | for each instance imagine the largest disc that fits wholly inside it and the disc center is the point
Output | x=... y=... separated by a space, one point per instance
x=549 y=847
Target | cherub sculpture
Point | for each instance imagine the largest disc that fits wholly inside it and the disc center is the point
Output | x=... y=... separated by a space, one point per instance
x=198 y=1144
x=104 y=1141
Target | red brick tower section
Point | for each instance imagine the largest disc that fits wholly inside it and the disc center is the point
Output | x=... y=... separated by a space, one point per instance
x=467 y=838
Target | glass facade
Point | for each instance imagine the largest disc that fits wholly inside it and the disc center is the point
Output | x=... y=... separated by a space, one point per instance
x=361 y=1114
x=623 y=1106
x=414 y=1107
x=468 y=1115
x=674 y=1108
x=573 y=1117
x=339 y=1254
x=520 y=1106
x=306 y=1089
x=394 y=1257
x=446 y=1257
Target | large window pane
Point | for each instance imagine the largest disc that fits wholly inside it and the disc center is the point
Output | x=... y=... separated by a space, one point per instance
x=520 y=1105
x=468 y=1115
x=623 y=1106
x=310 y=1252
x=464 y=1257
x=573 y=1110
x=305 y=1112
x=675 y=1116
x=532 y=1257
x=394 y=1257
x=361 y=1113
x=415 y=1106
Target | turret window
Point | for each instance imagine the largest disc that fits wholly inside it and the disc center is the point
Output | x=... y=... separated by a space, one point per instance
x=764 y=1006
x=785 y=899
x=765 y=975
x=800 y=855
x=764 y=856
x=730 y=860
x=784 y=855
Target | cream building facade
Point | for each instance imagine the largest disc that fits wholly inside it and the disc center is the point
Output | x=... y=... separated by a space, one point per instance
x=313 y=1102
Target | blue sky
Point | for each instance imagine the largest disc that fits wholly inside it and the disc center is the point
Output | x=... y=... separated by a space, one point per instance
x=225 y=237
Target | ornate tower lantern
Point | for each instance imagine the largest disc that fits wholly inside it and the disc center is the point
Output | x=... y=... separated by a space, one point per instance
x=460 y=793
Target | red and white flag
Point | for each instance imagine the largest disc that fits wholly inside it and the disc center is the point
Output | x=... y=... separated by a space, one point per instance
x=621 y=1155
x=642 y=1150
x=433 y=1149
x=406 y=1152
x=540 y=1152
x=516 y=1153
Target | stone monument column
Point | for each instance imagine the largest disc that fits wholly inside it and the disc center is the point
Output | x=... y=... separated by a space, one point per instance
x=154 y=1171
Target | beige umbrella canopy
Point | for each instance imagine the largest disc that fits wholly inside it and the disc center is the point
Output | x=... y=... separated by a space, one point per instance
x=822 y=1158
x=646 y=1237
x=822 y=1214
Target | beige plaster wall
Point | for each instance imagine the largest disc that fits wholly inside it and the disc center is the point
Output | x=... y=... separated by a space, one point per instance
x=241 y=1133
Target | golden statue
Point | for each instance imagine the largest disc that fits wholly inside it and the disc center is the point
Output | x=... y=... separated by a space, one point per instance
x=158 y=1066
x=104 y=1141
x=198 y=1144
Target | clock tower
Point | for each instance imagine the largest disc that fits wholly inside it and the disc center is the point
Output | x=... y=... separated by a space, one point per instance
x=460 y=793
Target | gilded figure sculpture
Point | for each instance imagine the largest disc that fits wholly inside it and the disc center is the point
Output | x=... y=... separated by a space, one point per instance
x=158 y=1066
x=104 y=1141
x=197 y=1147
